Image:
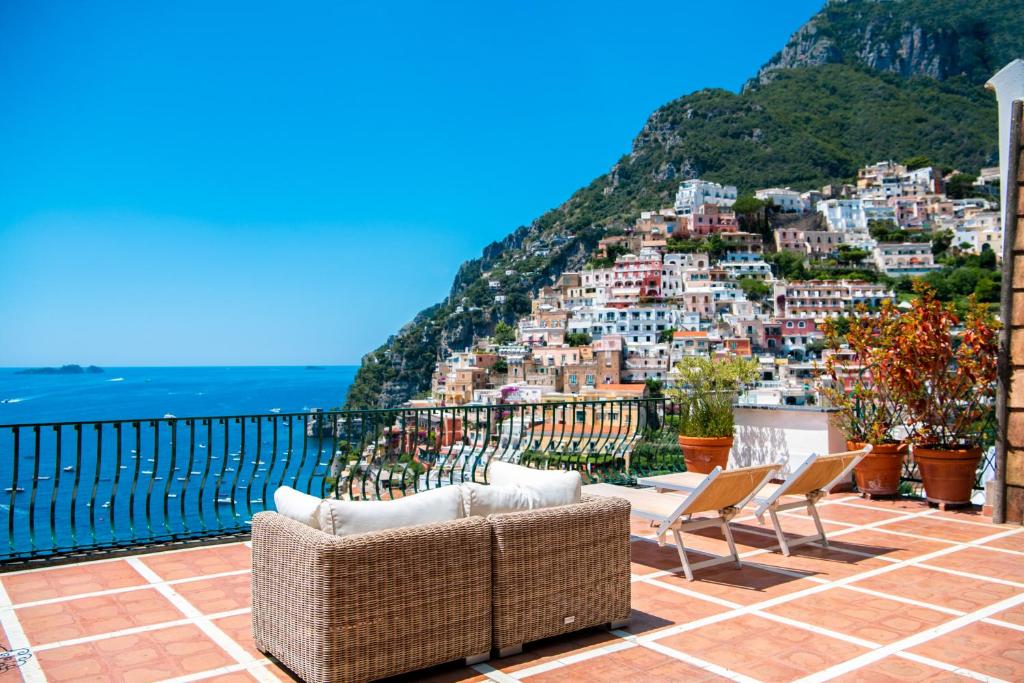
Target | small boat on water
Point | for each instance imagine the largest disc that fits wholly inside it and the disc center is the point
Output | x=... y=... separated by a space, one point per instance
x=14 y=490
x=69 y=468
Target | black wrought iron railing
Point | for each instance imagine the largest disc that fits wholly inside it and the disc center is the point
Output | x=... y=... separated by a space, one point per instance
x=81 y=486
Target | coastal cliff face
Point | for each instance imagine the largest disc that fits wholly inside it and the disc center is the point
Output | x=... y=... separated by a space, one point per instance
x=836 y=97
x=936 y=39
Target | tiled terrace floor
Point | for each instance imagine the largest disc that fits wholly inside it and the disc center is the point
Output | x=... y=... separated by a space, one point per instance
x=904 y=593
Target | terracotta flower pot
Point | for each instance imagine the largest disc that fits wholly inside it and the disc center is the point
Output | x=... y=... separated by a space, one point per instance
x=878 y=473
x=703 y=454
x=948 y=475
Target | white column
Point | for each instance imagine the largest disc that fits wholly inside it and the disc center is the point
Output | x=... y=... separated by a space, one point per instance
x=1008 y=85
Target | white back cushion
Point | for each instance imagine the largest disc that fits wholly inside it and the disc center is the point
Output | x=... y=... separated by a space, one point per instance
x=482 y=500
x=344 y=517
x=297 y=505
x=556 y=487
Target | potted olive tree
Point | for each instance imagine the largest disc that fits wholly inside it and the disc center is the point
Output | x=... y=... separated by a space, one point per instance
x=944 y=371
x=868 y=410
x=705 y=394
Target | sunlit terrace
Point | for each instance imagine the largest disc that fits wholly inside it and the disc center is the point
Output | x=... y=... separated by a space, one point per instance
x=128 y=555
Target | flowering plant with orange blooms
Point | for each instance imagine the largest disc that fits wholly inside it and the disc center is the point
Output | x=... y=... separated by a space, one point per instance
x=942 y=369
x=869 y=411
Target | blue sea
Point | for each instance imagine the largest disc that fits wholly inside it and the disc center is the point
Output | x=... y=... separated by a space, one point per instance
x=137 y=392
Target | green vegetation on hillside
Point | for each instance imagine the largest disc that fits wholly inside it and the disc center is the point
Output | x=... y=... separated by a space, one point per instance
x=806 y=127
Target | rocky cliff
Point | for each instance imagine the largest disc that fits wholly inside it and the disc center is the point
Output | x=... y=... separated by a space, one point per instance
x=836 y=97
x=933 y=38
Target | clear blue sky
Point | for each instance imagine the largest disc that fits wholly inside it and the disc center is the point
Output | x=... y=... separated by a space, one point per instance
x=193 y=183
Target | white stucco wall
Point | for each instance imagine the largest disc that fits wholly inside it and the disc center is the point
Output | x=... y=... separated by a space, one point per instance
x=783 y=434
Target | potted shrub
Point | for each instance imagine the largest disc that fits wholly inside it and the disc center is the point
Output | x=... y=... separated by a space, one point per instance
x=705 y=394
x=944 y=371
x=868 y=411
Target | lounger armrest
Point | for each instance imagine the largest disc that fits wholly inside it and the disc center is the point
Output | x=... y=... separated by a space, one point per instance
x=560 y=569
x=370 y=605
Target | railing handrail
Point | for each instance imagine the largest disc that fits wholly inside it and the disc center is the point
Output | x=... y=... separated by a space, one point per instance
x=314 y=412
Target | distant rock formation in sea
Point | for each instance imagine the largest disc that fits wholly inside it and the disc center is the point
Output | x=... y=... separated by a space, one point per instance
x=62 y=370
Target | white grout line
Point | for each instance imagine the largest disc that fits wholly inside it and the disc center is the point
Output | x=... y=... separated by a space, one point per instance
x=212 y=631
x=31 y=671
x=819 y=630
x=699 y=663
x=935 y=663
x=138 y=629
x=108 y=560
x=972 y=575
x=1004 y=624
x=231 y=668
x=492 y=673
x=913 y=641
x=126 y=589
x=906 y=601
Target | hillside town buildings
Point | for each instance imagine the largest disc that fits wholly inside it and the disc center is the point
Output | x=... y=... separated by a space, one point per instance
x=690 y=279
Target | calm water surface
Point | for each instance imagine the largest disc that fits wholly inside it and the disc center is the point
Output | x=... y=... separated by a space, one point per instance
x=124 y=393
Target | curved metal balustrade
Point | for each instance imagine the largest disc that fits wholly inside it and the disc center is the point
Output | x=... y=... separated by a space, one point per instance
x=81 y=486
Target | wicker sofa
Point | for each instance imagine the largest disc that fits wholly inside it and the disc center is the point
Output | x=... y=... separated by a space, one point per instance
x=373 y=605
x=559 y=570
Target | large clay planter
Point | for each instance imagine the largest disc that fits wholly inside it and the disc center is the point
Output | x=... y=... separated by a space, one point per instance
x=703 y=454
x=878 y=473
x=948 y=475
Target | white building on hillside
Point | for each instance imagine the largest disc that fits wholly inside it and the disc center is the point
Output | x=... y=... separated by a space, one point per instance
x=905 y=258
x=844 y=215
x=786 y=199
x=693 y=194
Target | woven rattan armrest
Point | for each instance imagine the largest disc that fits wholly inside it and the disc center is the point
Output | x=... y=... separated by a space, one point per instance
x=367 y=606
x=560 y=569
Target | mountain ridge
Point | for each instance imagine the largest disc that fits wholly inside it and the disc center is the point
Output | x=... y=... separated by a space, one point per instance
x=799 y=122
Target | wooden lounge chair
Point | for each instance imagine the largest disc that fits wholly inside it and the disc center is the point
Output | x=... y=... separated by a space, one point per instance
x=724 y=492
x=811 y=481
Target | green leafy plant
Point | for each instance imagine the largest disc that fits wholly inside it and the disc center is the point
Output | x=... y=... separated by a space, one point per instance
x=706 y=391
x=868 y=409
x=943 y=369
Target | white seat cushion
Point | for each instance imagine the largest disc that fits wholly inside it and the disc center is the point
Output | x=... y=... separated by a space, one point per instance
x=482 y=500
x=556 y=487
x=345 y=517
x=297 y=505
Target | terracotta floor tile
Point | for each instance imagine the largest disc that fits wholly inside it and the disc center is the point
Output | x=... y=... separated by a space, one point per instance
x=234 y=677
x=1011 y=542
x=632 y=664
x=941 y=529
x=455 y=672
x=139 y=658
x=901 y=505
x=1014 y=615
x=881 y=544
x=743 y=586
x=220 y=594
x=647 y=557
x=11 y=662
x=60 y=582
x=94 y=616
x=655 y=608
x=184 y=564
x=239 y=629
x=937 y=588
x=984 y=562
x=542 y=651
x=898 y=670
x=864 y=616
x=824 y=563
x=794 y=526
x=981 y=647
x=853 y=514
x=763 y=649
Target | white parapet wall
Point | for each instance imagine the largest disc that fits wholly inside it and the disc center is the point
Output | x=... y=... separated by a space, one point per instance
x=783 y=434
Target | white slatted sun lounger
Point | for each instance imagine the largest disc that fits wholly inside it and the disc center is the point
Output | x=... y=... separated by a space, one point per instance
x=812 y=480
x=724 y=492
